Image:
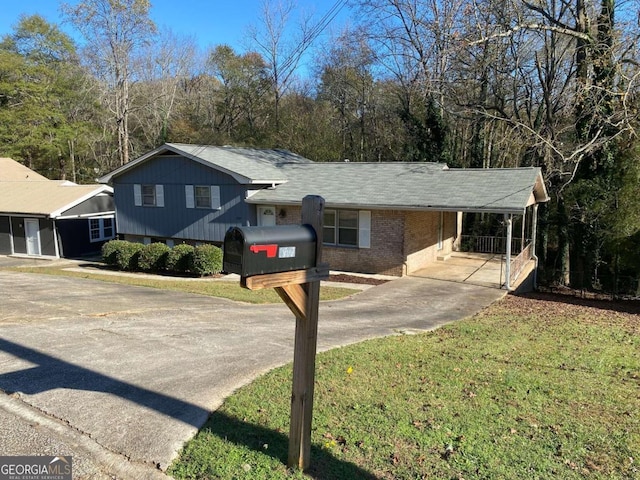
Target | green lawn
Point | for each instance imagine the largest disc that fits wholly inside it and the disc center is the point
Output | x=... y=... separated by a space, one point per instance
x=529 y=388
x=225 y=289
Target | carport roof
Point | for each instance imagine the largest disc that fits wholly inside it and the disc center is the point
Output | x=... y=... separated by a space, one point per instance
x=408 y=186
x=49 y=198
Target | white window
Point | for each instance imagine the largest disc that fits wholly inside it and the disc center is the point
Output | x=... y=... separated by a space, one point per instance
x=101 y=229
x=148 y=195
x=349 y=228
x=203 y=196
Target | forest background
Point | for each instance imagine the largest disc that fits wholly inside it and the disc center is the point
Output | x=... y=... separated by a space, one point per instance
x=472 y=83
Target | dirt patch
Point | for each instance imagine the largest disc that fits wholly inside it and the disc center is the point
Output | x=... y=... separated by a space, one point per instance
x=341 y=277
x=551 y=306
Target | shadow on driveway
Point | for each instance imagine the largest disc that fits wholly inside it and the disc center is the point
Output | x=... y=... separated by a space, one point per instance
x=51 y=373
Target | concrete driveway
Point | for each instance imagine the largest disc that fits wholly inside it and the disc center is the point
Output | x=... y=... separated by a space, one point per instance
x=120 y=377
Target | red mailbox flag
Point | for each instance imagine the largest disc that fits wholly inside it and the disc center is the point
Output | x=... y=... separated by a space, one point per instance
x=271 y=250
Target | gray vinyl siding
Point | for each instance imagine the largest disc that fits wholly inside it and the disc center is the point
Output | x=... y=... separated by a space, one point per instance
x=5 y=236
x=175 y=220
x=47 y=237
x=98 y=204
x=19 y=242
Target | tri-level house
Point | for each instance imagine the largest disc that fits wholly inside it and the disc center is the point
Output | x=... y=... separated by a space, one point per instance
x=392 y=218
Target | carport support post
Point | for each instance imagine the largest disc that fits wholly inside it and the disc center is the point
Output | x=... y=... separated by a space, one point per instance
x=304 y=355
x=507 y=265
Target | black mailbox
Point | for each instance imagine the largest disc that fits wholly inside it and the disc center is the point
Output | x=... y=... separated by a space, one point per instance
x=258 y=250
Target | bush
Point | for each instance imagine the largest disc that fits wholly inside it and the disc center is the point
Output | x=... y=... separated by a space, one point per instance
x=179 y=258
x=127 y=255
x=109 y=251
x=153 y=257
x=206 y=260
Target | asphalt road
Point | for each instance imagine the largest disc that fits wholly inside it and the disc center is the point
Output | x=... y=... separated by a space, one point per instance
x=120 y=377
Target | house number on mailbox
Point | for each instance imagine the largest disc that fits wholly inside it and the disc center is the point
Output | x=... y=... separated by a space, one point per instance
x=270 y=250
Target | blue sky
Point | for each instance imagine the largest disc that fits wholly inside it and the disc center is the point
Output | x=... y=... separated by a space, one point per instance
x=210 y=22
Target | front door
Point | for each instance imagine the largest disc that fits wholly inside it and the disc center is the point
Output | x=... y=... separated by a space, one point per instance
x=32 y=235
x=266 y=216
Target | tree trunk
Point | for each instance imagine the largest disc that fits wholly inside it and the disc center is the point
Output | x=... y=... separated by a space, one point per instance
x=72 y=159
x=564 y=258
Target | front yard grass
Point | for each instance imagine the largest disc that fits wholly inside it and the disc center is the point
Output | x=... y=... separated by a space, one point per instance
x=529 y=388
x=224 y=289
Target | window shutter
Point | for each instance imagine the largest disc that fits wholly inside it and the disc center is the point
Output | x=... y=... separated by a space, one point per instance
x=189 y=196
x=216 y=203
x=159 y=195
x=364 y=229
x=137 y=195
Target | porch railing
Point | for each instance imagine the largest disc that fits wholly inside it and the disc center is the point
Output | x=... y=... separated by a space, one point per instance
x=518 y=263
x=488 y=244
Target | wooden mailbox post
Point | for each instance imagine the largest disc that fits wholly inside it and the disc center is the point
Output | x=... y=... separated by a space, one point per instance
x=300 y=291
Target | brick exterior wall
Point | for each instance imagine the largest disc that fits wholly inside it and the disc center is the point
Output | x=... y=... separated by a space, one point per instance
x=401 y=241
x=421 y=238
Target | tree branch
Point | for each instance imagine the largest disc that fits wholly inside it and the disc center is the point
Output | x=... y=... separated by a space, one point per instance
x=532 y=26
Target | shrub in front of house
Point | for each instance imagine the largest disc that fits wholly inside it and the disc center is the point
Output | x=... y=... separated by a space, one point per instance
x=206 y=260
x=127 y=255
x=179 y=258
x=109 y=251
x=153 y=257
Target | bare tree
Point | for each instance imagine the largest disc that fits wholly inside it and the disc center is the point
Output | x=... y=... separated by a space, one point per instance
x=164 y=66
x=346 y=82
x=281 y=45
x=114 y=30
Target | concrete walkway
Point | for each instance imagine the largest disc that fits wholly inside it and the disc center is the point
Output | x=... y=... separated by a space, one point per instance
x=120 y=377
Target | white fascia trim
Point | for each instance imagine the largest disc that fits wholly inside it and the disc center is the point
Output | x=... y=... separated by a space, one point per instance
x=98 y=190
x=110 y=214
x=417 y=208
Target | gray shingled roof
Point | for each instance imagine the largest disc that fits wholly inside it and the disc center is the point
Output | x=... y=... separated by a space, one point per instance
x=397 y=185
x=246 y=165
x=402 y=186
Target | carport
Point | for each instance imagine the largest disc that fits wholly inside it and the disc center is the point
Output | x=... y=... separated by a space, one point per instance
x=500 y=261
